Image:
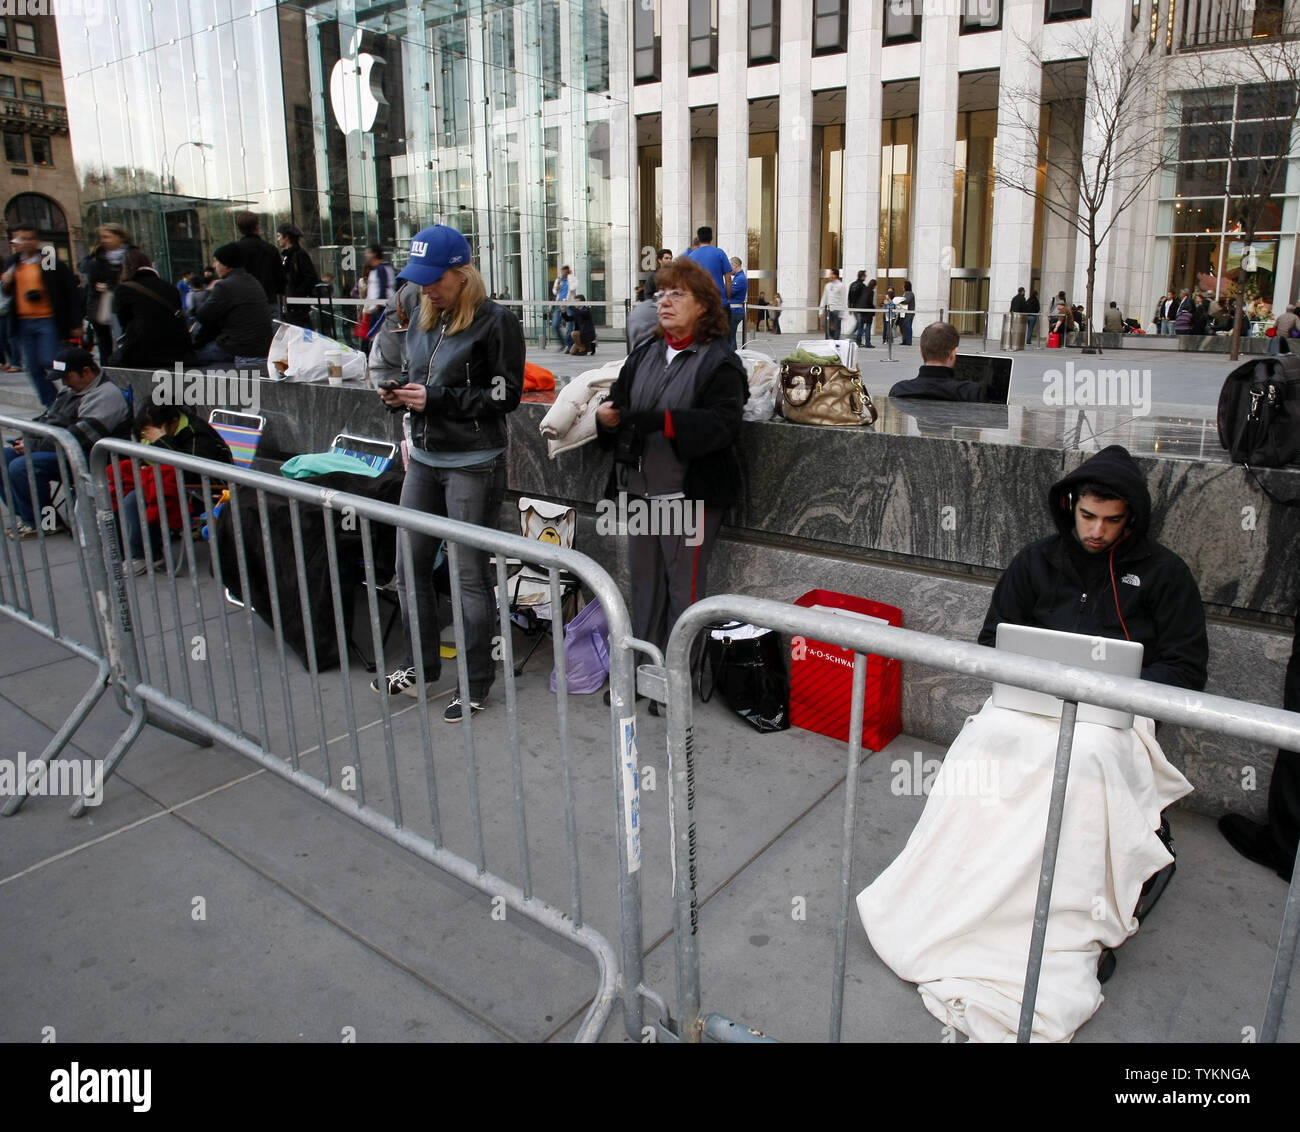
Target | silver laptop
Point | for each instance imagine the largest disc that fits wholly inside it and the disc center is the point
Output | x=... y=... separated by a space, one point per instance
x=1099 y=654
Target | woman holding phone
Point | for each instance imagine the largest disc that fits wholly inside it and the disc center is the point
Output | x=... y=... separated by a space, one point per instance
x=465 y=369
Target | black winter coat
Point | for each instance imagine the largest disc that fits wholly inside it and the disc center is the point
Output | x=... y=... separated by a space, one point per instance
x=236 y=316
x=938 y=383
x=704 y=433
x=263 y=263
x=64 y=293
x=1056 y=584
x=153 y=329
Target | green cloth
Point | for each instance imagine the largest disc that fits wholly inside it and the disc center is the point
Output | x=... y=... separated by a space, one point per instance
x=808 y=358
x=319 y=463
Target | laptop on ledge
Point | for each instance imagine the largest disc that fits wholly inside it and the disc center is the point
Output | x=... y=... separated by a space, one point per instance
x=991 y=371
x=1098 y=654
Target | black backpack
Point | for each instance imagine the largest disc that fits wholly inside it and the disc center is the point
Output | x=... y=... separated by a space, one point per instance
x=1259 y=413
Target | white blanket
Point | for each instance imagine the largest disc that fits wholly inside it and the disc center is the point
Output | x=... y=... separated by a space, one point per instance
x=571 y=421
x=954 y=912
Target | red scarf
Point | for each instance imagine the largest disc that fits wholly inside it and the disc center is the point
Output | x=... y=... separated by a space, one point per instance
x=678 y=343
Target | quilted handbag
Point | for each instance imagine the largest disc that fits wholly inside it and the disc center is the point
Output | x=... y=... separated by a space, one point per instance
x=820 y=394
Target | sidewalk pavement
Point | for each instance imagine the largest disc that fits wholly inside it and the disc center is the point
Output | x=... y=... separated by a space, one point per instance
x=207 y=899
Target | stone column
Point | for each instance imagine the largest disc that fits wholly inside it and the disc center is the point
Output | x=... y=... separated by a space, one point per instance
x=930 y=265
x=1020 y=79
x=733 y=129
x=863 y=99
x=675 y=118
x=796 y=253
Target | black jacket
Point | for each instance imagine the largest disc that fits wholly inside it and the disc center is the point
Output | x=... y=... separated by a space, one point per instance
x=583 y=323
x=153 y=328
x=858 y=293
x=262 y=262
x=98 y=268
x=937 y=383
x=704 y=433
x=200 y=439
x=473 y=379
x=64 y=292
x=1056 y=584
x=300 y=277
x=235 y=314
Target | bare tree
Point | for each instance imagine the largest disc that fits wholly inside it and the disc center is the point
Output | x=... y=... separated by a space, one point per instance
x=1113 y=145
x=1239 y=110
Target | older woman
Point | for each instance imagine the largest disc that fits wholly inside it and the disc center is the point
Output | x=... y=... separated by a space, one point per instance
x=672 y=420
x=465 y=363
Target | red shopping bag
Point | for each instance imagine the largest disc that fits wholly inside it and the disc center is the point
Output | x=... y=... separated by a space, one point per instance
x=1053 y=341
x=821 y=678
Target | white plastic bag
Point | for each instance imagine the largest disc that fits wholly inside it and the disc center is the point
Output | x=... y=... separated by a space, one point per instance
x=763 y=373
x=299 y=354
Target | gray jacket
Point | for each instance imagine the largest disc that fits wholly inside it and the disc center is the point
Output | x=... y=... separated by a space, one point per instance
x=94 y=413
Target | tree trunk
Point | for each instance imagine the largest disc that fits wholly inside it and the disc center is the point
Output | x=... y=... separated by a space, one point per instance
x=1087 y=302
x=1234 y=351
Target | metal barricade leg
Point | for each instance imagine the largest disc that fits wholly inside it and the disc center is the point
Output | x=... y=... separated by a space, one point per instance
x=1052 y=841
x=846 y=849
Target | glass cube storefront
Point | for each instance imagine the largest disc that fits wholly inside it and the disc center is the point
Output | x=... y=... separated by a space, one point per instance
x=361 y=122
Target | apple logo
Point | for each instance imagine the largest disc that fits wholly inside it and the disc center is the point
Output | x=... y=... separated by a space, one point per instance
x=355 y=93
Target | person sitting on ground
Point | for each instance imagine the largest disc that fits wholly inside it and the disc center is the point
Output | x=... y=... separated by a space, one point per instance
x=233 y=322
x=1113 y=320
x=89 y=406
x=1286 y=330
x=149 y=309
x=1062 y=322
x=936 y=379
x=583 y=334
x=164 y=427
x=953 y=913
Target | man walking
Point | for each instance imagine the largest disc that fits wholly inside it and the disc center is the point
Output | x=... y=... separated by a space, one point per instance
x=858 y=300
x=44 y=305
x=909 y=305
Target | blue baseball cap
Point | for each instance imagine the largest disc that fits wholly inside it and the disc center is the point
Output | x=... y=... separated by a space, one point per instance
x=433 y=250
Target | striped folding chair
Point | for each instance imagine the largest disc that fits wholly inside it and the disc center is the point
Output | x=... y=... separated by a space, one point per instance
x=242 y=432
x=376 y=453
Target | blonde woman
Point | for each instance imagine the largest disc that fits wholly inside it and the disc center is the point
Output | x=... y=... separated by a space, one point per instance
x=465 y=364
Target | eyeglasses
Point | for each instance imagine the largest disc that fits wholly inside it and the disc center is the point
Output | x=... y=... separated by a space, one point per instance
x=675 y=296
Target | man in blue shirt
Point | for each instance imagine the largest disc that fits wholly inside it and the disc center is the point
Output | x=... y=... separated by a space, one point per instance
x=560 y=292
x=739 y=297
x=714 y=260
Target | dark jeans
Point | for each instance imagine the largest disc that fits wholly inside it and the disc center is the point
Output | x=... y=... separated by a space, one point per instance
x=39 y=338
x=472 y=495
x=832 y=324
x=907 y=329
x=130 y=512
x=737 y=317
x=45 y=465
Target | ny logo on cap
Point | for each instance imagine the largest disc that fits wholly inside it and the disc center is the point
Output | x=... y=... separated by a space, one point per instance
x=419 y=247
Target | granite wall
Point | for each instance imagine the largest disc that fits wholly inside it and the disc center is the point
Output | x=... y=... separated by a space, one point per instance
x=925 y=523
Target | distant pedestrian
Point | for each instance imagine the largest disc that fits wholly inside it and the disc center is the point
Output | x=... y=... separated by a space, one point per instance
x=739 y=296
x=776 y=313
x=832 y=303
x=1032 y=307
x=909 y=305
x=714 y=260
x=857 y=301
x=260 y=260
x=869 y=301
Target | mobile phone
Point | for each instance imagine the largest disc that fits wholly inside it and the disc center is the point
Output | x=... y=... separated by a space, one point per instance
x=391 y=384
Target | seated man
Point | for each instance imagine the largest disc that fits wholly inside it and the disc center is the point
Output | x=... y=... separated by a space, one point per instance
x=89 y=406
x=234 y=322
x=935 y=379
x=1113 y=320
x=954 y=911
x=583 y=335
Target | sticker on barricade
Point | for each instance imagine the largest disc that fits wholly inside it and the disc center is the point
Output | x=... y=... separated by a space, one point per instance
x=631 y=792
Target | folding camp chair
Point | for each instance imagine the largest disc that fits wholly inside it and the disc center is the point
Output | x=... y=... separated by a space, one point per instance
x=528 y=589
x=377 y=453
x=242 y=433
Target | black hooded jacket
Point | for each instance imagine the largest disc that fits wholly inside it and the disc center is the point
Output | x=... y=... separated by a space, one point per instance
x=1056 y=584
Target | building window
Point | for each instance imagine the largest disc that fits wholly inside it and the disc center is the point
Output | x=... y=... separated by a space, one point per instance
x=981 y=15
x=41 y=154
x=702 y=23
x=15 y=149
x=1067 y=10
x=32 y=90
x=8 y=88
x=645 y=30
x=764 y=31
x=902 y=21
x=4 y=34
x=830 y=26
x=25 y=37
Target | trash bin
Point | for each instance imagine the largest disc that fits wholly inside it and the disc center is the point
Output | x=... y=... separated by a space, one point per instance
x=1014 y=328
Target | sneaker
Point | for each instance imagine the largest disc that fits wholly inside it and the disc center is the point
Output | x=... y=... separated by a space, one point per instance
x=400 y=680
x=139 y=567
x=456 y=710
x=20 y=530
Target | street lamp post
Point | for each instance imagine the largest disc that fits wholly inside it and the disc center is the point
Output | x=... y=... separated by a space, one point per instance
x=197 y=145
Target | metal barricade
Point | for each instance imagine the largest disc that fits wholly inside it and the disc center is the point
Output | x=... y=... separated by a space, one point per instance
x=68 y=614
x=1242 y=720
x=382 y=785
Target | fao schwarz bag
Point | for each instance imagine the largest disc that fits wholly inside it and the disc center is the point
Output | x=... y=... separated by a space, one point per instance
x=823 y=394
x=1259 y=416
x=746 y=664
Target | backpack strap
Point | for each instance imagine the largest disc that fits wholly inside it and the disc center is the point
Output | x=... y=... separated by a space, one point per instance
x=175 y=312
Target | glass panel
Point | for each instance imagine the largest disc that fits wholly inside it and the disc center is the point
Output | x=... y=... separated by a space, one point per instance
x=1199 y=216
x=15 y=149
x=896 y=154
x=41 y=150
x=25 y=37
x=1199 y=178
x=1266 y=100
x=8 y=89
x=32 y=90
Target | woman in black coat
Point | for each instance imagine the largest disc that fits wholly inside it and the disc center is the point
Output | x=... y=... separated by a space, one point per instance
x=102 y=269
x=154 y=335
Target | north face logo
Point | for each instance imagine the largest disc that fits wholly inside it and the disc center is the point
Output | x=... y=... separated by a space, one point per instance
x=419 y=247
x=1131 y=580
